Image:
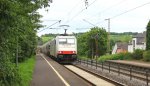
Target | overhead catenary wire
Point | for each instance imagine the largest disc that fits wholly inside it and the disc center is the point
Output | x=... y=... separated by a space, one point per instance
x=50 y=26
x=82 y=10
x=108 y=9
x=112 y=6
x=125 y=12
x=72 y=9
x=90 y=23
x=130 y=10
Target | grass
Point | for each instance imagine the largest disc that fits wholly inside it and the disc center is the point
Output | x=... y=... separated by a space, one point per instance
x=123 y=38
x=26 y=71
x=46 y=39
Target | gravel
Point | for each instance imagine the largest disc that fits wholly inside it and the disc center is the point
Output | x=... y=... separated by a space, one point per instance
x=114 y=76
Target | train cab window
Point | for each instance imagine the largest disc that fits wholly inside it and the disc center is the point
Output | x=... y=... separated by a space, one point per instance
x=66 y=41
x=70 y=41
x=62 y=41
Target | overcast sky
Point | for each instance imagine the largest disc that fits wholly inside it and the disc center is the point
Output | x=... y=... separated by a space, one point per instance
x=74 y=14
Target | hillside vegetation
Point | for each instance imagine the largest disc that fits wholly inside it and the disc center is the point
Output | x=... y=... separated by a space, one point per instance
x=122 y=38
x=46 y=39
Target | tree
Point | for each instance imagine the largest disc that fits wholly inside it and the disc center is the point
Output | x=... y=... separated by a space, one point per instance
x=18 y=24
x=148 y=36
x=98 y=35
x=89 y=42
x=82 y=44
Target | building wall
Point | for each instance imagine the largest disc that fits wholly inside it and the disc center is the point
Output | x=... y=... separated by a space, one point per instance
x=134 y=46
x=130 y=48
x=121 y=50
x=114 y=49
x=141 y=46
x=134 y=42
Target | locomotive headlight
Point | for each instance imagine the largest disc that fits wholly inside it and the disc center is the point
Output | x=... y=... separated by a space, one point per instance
x=60 y=52
x=73 y=52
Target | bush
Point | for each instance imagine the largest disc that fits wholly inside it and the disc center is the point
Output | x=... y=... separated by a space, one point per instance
x=137 y=54
x=127 y=56
x=146 y=56
x=120 y=56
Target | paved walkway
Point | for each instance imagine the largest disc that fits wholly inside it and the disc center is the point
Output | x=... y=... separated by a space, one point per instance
x=49 y=73
x=43 y=75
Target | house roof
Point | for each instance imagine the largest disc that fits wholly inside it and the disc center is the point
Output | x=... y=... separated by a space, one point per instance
x=122 y=45
x=140 y=37
x=140 y=40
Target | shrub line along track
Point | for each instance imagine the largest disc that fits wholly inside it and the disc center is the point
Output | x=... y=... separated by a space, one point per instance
x=97 y=75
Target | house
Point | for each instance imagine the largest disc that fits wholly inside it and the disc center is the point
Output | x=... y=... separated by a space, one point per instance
x=120 y=47
x=138 y=42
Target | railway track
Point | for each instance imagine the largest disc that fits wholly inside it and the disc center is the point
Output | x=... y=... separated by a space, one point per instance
x=93 y=78
x=128 y=74
x=112 y=73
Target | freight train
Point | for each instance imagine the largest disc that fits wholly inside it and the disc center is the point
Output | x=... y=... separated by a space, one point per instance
x=62 y=48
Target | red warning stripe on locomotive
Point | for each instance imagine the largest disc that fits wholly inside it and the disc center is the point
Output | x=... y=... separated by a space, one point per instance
x=66 y=52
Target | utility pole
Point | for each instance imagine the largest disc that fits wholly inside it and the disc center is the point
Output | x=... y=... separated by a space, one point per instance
x=96 y=42
x=108 y=35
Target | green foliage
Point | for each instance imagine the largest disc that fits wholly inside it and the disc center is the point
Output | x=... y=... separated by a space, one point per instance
x=49 y=35
x=46 y=39
x=120 y=56
x=146 y=55
x=83 y=57
x=137 y=54
x=18 y=24
x=100 y=35
x=82 y=45
x=87 y=42
x=26 y=71
x=122 y=38
x=124 y=33
x=148 y=36
x=9 y=75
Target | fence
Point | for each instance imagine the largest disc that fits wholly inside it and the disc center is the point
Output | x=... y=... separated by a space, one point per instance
x=132 y=71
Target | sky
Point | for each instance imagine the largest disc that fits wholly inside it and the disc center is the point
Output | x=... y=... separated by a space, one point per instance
x=78 y=18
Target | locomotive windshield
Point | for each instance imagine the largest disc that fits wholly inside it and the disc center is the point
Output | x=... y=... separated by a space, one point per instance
x=66 y=41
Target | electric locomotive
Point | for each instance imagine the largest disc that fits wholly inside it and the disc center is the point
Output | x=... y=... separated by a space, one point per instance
x=64 y=48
